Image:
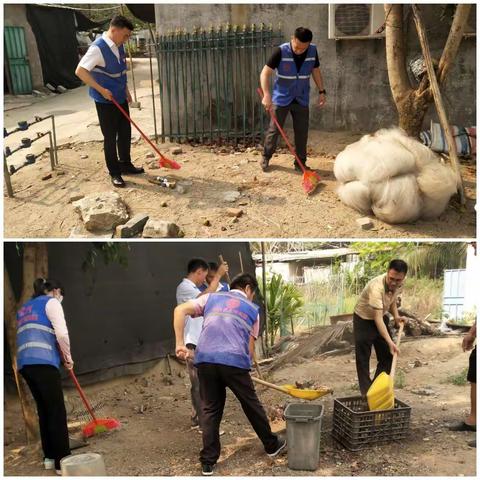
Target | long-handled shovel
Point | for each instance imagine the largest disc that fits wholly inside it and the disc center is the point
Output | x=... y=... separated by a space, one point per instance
x=310 y=179
x=163 y=161
x=306 y=394
x=380 y=395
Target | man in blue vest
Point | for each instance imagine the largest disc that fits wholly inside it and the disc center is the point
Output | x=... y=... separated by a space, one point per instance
x=104 y=69
x=294 y=63
x=223 y=359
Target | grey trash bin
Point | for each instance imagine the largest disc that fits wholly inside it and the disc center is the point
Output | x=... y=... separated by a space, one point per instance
x=304 y=422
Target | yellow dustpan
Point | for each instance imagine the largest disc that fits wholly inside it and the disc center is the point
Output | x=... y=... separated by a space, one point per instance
x=380 y=395
x=306 y=394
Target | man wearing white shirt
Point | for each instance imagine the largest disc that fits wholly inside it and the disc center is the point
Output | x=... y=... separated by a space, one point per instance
x=188 y=289
x=104 y=69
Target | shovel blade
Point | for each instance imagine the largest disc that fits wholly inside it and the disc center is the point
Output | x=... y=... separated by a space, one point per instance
x=380 y=395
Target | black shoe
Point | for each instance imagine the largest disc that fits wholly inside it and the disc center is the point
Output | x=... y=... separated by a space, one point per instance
x=264 y=163
x=462 y=427
x=117 y=181
x=298 y=168
x=130 y=168
x=282 y=443
x=207 y=469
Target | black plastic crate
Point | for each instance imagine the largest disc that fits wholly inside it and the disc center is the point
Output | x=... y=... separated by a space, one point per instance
x=356 y=428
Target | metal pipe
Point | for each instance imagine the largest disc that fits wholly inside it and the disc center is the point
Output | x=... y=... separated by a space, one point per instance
x=6 y=176
x=244 y=84
x=252 y=82
x=50 y=151
x=169 y=90
x=153 y=93
x=200 y=82
x=176 y=80
x=131 y=64
x=193 y=79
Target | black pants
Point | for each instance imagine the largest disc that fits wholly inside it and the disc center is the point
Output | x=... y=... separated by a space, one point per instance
x=300 y=117
x=366 y=334
x=472 y=367
x=117 y=135
x=45 y=384
x=214 y=379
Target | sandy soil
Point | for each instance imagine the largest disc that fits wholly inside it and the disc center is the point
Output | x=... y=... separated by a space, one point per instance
x=273 y=203
x=155 y=438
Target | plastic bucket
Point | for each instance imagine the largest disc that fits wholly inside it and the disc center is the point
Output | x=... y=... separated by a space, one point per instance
x=304 y=423
x=83 y=465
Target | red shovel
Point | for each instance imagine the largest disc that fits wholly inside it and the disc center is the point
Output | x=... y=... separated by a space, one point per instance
x=163 y=161
x=310 y=179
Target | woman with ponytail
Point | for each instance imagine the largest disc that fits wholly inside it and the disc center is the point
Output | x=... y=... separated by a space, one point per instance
x=42 y=345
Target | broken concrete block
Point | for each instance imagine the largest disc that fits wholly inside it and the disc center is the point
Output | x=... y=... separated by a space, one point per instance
x=231 y=196
x=133 y=227
x=102 y=212
x=365 y=223
x=176 y=150
x=80 y=232
x=83 y=157
x=161 y=229
x=75 y=197
x=234 y=212
x=48 y=176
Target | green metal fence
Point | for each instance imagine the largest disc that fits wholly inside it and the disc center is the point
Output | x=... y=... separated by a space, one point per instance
x=208 y=81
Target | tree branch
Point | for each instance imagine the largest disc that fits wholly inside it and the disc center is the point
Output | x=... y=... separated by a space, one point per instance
x=453 y=41
x=395 y=51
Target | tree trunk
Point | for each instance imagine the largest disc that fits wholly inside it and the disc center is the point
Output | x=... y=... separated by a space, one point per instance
x=412 y=104
x=26 y=401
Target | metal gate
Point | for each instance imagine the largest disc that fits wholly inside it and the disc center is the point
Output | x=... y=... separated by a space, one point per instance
x=454 y=293
x=16 y=58
x=208 y=81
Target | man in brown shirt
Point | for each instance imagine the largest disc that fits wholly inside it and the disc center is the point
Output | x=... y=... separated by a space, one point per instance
x=370 y=322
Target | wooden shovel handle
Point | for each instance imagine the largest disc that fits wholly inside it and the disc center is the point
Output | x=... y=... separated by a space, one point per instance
x=269 y=385
x=395 y=356
x=227 y=275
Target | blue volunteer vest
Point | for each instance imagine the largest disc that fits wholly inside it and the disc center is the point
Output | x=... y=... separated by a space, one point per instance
x=289 y=84
x=228 y=320
x=113 y=76
x=36 y=340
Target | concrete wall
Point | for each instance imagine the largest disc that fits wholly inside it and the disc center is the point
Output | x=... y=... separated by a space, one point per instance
x=354 y=71
x=15 y=15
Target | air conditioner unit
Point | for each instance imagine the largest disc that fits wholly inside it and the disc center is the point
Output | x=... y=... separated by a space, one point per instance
x=356 y=21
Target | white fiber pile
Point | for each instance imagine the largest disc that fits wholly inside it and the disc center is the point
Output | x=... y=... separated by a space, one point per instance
x=394 y=176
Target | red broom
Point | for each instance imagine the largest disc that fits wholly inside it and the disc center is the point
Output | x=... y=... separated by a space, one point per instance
x=163 y=161
x=310 y=179
x=97 y=425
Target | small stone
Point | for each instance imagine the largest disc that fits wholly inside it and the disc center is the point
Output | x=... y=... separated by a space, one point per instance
x=75 y=196
x=206 y=223
x=60 y=173
x=231 y=196
x=176 y=150
x=365 y=223
x=417 y=364
x=48 y=176
x=223 y=229
x=181 y=189
x=164 y=204
x=83 y=157
x=256 y=153
x=234 y=212
x=235 y=220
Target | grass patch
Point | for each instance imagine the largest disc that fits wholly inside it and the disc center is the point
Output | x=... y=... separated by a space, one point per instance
x=400 y=379
x=459 y=379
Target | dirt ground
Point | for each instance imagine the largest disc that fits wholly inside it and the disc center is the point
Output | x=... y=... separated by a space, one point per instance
x=273 y=203
x=155 y=438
